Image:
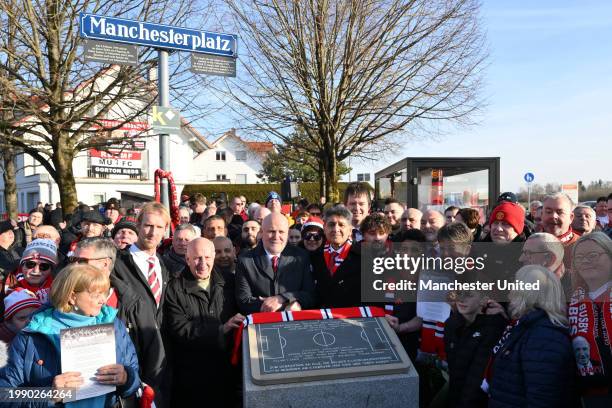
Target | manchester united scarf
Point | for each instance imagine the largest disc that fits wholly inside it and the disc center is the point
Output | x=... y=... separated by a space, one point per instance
x=288 y=316
x=334 y=258
x=588 y=321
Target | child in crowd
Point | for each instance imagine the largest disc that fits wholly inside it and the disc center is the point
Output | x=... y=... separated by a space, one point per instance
x=19 y=306
x=469 y=336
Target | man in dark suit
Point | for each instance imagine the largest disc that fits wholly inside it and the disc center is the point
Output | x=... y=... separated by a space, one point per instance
x=337 y=269
x=143 y=272
x=274 y=276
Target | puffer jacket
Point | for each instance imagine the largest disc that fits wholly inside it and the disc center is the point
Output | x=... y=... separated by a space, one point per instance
x=34 y=357
x=535 y=366
x=468 y=349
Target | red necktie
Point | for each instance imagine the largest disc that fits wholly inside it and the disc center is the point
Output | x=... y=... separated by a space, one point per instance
x=152 y=280
x=275 y=264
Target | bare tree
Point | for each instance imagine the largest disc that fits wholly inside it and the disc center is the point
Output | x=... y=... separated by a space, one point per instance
x=58 y=99
x=357 y=77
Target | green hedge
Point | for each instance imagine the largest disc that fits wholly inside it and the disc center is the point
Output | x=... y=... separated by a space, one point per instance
x=254 y=192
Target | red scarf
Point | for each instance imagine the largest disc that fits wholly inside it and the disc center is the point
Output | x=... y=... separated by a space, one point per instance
x=73 y=246
x=42 y=291
x=488 y=374
x=333 y=258
x=584 y=317
x=567 y=236
x=315 y=314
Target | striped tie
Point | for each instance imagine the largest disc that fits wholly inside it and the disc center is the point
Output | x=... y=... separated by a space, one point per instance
x=153 y=282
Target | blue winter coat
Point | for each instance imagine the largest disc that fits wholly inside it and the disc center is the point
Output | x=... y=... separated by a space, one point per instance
x=35 y=345
x=535 y=366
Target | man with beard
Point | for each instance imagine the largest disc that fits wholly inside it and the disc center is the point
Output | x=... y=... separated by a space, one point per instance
x=140 y=268
x=174 y=258
x=357 y=200
x=249 y=237
x=225 y=259
x=393 y=211
x=431 y=222
x=557 y=218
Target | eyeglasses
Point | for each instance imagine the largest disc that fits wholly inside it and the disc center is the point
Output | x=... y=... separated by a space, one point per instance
x=312 y=237
x=532 y=253
x=43 y=267
x=79 y=260
x=590 y=257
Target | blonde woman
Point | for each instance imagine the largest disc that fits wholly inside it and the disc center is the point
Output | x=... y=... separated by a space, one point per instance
x=590 y=315
x=533 y=363
x=78 y=294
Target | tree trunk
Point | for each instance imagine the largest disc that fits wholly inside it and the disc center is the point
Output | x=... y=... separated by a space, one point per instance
x=331 y=179
x=10 y=183
x=62 y=160
x=322 y=186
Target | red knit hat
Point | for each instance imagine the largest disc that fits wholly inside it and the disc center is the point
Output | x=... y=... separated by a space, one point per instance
x=511 y=213
x=313 y=222
x=18 y=300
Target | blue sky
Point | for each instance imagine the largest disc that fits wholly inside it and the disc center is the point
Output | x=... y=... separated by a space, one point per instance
x=548 y=92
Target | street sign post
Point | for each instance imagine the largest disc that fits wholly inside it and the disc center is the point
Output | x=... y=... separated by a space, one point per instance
x=529 y=177
x=164 y=38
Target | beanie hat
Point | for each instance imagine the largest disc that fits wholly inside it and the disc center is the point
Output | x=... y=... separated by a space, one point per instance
x=313 y=222
x=17 y=300
x=511 y=213
x=5 y=226
x=41 y=249
x=507 y=196
x=273 y=195
x=112 y=204
x=124 y=223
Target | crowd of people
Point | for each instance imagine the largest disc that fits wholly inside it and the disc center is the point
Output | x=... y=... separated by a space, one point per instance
x=176 y=302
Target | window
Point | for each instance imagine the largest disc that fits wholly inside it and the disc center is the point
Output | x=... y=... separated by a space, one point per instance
x=220 y=156
x=241 y=155
x=221 y=177
x=98 y=198
x=363 y=177
x=241 y=178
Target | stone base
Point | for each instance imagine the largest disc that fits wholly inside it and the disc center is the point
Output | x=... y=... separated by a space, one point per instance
x=379 y=391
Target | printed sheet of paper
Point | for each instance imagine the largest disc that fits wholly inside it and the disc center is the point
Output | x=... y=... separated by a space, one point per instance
x=85 y=349
x=432 y=306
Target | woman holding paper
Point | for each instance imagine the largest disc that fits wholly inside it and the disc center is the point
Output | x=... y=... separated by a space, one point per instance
x=78 y=294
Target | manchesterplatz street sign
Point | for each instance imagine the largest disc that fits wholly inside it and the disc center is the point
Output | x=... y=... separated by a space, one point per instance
x=157 y=35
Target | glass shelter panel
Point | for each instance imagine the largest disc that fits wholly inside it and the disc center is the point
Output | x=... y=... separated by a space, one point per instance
x=439 y=188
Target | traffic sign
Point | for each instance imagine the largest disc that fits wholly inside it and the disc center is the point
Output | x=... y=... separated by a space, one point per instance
x=165 y=119
x=157 y=35
x=529 y=177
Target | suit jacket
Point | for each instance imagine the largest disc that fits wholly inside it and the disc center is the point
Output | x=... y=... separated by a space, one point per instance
x=143 y=318
x=343 y=288
x=255 y=277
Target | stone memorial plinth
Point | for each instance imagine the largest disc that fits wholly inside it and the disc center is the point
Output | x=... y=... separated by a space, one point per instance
x=327 y=363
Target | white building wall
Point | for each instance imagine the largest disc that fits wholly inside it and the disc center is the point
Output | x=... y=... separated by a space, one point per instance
x=207 y=166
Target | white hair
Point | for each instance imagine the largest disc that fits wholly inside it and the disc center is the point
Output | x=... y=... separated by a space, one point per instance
x=588 y=208
x=562 y=196
x=550 y=297
x=551 y=244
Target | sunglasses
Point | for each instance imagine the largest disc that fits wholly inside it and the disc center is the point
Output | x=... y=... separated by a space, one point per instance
x=41 y=266
x=312 y=237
